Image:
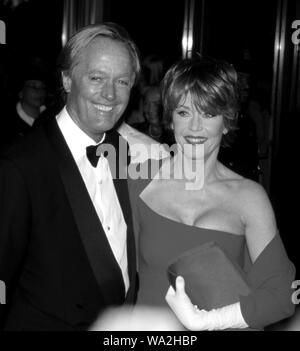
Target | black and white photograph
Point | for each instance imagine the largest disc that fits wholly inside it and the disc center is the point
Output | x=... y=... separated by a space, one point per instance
x=148 y=168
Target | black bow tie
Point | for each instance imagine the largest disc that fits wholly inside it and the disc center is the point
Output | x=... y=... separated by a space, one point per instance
x=91 y=153
x=113 y=140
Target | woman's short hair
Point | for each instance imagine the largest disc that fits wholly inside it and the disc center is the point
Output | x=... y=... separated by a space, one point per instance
x=71 y=53
x=211 y=83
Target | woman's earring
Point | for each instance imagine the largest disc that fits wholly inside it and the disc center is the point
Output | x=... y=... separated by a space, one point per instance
x=172 y=126
x=225 y=131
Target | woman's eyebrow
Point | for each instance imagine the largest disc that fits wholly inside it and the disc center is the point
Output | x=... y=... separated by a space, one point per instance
x=182 y=106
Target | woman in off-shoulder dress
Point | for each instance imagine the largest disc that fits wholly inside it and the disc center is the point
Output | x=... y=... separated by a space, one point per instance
x=194 y=199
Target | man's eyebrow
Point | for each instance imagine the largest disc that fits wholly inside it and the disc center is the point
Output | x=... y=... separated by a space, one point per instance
x=99 y=71
x=95 y=71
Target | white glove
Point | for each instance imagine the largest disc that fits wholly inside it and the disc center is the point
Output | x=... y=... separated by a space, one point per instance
x=194 y=319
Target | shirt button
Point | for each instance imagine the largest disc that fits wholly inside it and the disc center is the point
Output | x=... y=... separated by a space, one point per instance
x=108 y=228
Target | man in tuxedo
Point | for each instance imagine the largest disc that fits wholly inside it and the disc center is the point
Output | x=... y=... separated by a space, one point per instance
x=66 y=238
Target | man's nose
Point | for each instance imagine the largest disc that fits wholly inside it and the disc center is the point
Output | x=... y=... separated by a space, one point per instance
x=108 y=91
x=196 y=122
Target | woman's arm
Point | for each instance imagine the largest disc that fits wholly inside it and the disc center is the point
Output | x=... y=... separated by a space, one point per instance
x=272 y=273
x=270 y=277
x=258 y=217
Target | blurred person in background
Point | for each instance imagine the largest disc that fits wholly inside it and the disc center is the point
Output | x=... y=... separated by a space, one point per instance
x=152 y=112
x=152 y=71
x=18 y=117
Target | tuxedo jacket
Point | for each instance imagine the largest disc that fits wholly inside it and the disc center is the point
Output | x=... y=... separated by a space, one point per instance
x=55 y=259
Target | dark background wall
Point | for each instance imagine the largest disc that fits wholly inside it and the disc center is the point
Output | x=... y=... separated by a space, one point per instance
x=33 y=37
x=155 y=25
x=232 y=29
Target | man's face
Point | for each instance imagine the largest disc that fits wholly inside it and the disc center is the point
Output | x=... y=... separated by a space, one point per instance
x=33 y=93
x=99 y=87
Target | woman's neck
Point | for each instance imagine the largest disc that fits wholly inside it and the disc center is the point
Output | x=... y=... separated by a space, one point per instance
x=196 y=172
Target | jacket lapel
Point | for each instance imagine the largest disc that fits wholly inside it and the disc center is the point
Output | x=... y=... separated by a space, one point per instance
x=121 y=163
x=105 y=268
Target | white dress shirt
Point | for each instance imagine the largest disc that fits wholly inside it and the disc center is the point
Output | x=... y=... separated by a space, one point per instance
x=99 y=183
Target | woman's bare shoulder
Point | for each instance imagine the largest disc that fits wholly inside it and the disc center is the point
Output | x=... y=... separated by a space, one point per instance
x=247 y=194
x=242 y=185
x=255 y=206
x=252 y=191
x=230 y=179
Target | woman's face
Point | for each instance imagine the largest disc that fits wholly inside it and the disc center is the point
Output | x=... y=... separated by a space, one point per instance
x=194 y=130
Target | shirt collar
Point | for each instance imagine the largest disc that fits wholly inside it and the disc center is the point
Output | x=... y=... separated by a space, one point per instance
x=24 y=116
x=76 y=139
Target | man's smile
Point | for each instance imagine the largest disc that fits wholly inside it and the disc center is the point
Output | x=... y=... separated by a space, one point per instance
x=103 y=108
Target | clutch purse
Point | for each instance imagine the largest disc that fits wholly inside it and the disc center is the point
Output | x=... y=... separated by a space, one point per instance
x=212 y=280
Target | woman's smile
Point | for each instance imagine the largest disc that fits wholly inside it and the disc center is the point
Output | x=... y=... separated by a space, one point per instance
x=195 y=140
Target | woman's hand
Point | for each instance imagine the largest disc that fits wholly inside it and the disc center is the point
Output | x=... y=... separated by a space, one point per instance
x=186 y=312
x=192 y=318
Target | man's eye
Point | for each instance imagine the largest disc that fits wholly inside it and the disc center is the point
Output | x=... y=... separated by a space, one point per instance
x=123 y=82
x=96 y=78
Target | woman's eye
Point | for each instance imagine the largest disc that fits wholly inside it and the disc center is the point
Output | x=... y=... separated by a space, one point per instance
x=207 y=115
x=182 y=113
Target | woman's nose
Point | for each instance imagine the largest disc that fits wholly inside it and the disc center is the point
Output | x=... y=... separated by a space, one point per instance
x=196 y=122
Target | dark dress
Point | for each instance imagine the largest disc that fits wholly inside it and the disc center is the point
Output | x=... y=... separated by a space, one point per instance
x=161 y=240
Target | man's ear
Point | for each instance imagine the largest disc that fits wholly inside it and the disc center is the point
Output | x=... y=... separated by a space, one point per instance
x=67 y=81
